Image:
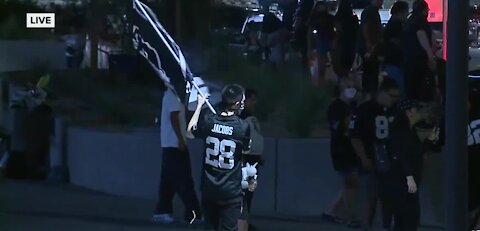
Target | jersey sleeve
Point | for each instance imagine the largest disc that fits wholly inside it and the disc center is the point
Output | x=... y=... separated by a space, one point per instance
x=204 y=122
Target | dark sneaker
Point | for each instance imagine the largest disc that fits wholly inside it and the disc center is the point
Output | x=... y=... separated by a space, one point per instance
x=252 y=227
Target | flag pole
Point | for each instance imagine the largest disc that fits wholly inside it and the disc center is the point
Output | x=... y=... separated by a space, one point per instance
x=203 y=95
x=182 y=62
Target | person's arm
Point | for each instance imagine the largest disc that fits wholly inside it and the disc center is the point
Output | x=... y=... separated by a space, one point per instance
x=359 y=148
x=175 y=121
x=423 y=40
x=247 y=141
x=356 y=131
x=192 y=125
x=366 y=31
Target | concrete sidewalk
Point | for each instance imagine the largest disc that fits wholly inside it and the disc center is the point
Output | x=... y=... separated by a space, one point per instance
x=34 y=206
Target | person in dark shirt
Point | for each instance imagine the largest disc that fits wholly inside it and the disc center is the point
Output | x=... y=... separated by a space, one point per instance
x=369 y=132
x=343 y=157
x=419 y=59
x=301 y=29
x=254 y=157
x=275 y=37
x=474 y=157
x=346 y=27
x=407 y=164
x=227 y=137
x=321 y=32
x=393 y=49
x=370 y=41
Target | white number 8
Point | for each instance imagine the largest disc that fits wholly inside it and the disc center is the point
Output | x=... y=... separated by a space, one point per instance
x=381 y=124
x=218 y=156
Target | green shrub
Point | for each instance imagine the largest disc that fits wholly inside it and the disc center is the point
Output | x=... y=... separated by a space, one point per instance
x=305 y=104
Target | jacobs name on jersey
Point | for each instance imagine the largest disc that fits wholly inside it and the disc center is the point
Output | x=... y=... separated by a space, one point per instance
x=222 y=129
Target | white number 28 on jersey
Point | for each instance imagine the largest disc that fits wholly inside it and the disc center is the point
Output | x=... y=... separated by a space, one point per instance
x=221 y=154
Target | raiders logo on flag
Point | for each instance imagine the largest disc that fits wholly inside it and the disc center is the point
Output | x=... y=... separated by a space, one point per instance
x=153 y=42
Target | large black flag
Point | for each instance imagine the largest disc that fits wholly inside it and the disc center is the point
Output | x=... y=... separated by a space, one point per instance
x=153 y=42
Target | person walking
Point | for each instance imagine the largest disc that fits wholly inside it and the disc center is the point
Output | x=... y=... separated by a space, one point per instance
x=369 y=46
x=254 y=157
x=369 y=132
x=321 y=32
x=406 y=169
x=227 y=138
x=393 y=48
x=343 y=156
x=419 y=59
x=346 y=27
x=176 y=171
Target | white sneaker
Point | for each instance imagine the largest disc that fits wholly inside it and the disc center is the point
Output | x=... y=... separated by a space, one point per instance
x=163 y=219
x=200 y=221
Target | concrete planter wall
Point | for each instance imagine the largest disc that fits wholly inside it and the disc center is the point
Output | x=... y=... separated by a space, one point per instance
x=297 y=179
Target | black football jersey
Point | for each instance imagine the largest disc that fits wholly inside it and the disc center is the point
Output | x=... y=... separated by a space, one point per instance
x=341 y=150
x=371 y=123
x=226 y=139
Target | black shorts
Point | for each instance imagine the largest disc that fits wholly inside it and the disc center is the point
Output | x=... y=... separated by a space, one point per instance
x=222 y=215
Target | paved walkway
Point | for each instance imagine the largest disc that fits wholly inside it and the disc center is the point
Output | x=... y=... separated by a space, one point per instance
x=34 y=206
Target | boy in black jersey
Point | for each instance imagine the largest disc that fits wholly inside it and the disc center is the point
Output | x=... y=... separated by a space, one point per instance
x=369 y=132
x=227 y=137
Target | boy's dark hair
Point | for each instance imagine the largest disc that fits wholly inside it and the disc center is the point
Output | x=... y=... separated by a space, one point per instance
x=399 y=7
x=249 y=93
x=388 y=84
x=232 y=94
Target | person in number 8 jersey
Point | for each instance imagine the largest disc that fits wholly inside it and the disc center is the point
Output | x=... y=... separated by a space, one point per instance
x=369 y=132
x=227 y=138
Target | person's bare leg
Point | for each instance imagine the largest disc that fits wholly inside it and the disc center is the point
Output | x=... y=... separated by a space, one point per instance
x=242 y=225
x=370 y=213
x=349 y=196
x=337 y=203
x=372 y=199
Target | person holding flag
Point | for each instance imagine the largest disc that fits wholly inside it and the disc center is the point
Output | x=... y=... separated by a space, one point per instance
x=153 y=42
x=227 y=138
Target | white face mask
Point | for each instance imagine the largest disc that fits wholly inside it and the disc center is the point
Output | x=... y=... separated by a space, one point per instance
x=349 y=93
